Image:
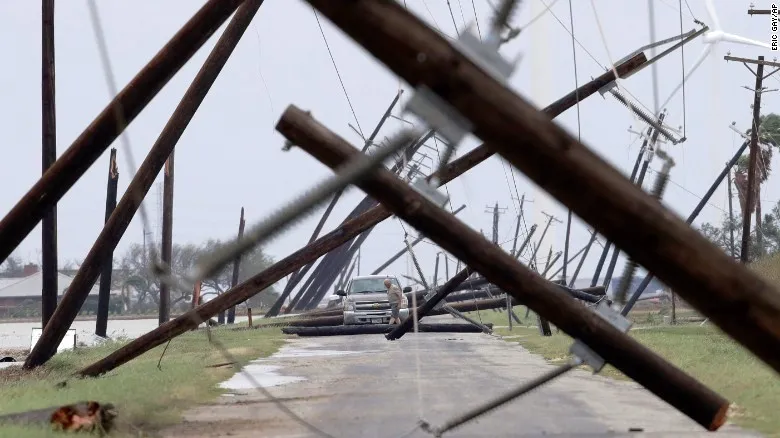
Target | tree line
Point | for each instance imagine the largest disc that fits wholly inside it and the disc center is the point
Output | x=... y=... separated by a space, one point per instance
x=140 y=288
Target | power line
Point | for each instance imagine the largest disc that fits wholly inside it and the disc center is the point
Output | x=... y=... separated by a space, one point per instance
x=317 y=17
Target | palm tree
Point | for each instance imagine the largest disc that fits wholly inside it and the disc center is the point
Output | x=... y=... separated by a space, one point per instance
x=768 y=139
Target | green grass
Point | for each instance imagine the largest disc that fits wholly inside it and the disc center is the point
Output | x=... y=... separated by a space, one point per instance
x=146 y=398
x=702 y=351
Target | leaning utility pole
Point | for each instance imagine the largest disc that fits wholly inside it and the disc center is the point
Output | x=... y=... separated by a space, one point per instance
x=49 y=156
x=112 y=232
x=167 y=238
x=104 y=293
x=231 y=317
x=750 y=197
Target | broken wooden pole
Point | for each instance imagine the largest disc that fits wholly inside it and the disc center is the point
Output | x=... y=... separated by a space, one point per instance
x=104 y=292
x=196 y=294
x=167 y=237
x=99 y=135
x=617 y=348
x=330 y=241
x=236 y=268
x=49 y=274
x=740 y=302
x=106 y=242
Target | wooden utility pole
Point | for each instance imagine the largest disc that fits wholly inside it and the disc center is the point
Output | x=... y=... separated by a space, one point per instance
x=236 y=269
x=342 y=234
x=104 y=293
x=49 y=156
x=750 y=198
x=144 y=178
x=617 y=348
x=99 y=135
x=634 y=220
x=167 y=237
x=731 y=217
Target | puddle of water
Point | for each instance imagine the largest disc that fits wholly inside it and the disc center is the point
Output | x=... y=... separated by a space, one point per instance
x=265 y=375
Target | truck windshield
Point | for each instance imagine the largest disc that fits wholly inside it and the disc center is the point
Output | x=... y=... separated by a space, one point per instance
x=370 y=285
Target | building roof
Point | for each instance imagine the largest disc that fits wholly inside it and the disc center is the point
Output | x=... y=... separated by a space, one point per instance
x=31 y=286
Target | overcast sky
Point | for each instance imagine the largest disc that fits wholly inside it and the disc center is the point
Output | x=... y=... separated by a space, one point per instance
x=230 y=156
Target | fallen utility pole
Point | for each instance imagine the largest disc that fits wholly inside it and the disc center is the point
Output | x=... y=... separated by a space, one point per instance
x=330 y=241
x=669 y=383
x=167 y=237
x=104 y=292
x=429 y=305
x=647 y=231
x=77 y=293
x=231 y=318
x=49 y=156
x=99 y=135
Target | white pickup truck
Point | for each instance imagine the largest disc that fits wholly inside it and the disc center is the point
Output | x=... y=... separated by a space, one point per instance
x=365 y=300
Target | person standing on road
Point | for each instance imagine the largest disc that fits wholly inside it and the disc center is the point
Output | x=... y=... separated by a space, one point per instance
x=395 y=297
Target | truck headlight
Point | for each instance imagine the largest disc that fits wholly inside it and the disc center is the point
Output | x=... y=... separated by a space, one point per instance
x=349 y=306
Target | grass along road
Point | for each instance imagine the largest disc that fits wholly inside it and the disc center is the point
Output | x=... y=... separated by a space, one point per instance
x=146 y=398
x=702 y=351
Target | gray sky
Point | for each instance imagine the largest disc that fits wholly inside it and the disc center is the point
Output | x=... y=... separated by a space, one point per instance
x=230 y=156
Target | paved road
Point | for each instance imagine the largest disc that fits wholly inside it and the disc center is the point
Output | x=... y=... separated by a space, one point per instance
x=365 y=386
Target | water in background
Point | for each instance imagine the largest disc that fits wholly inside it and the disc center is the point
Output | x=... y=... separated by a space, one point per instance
x=18 y=334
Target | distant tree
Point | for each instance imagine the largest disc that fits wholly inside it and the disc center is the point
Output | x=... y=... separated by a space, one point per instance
x=720 y=234
x=136 y=274
x=252 y=263
x=13 y=266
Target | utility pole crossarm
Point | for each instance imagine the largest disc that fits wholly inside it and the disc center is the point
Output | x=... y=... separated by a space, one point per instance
x=752 y=61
